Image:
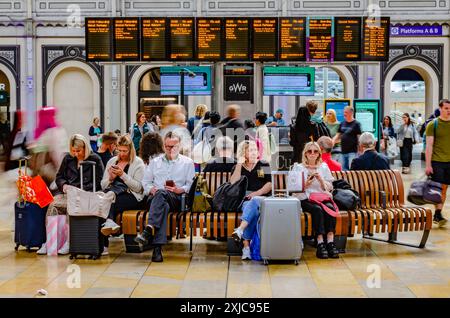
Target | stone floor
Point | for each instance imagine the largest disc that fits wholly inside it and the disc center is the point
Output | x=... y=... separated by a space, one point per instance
x=208 y=272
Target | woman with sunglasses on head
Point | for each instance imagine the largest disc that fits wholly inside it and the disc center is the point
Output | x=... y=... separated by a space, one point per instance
x=318 y=179
x=407 y=136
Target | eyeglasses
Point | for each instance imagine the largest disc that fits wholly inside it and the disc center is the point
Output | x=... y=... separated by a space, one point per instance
x=170 y=147
x=312 y=151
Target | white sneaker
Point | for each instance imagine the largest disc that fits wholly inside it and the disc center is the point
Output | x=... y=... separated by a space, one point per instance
x=105 y=251
x=64 y=250
x=110 y=227
x=246 y=253
x=42 y=250
x=237 y=235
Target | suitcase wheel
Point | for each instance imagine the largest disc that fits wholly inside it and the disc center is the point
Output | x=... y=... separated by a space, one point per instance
x=296 y=262
x=265 y=262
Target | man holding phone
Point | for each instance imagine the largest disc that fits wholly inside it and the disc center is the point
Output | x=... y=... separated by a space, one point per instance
x=166 y=178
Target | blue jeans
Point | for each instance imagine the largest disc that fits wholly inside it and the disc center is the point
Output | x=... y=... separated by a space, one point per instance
x=250 y=213
x=346 y=160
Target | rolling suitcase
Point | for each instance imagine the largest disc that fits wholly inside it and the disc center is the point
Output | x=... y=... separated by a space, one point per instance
x=281 y=237
x=29 y=222
x=85 y=235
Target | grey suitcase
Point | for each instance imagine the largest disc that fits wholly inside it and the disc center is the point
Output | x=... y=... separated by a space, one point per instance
x=85 y=235
x=281 y=237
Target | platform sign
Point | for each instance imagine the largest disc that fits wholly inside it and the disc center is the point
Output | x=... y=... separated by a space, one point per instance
x=238 y=82
x=99 y=39
x=198 y=85
x=319 y=39
x=237 y=39
x=376 y=39
x=292 y=37
x=347 y=39
x=209 y=39
x=264 y=39
x=338 y=105
x=182 y=39
x=367 y=112
x=288 y=80
x=154 y=39
x=126 y=39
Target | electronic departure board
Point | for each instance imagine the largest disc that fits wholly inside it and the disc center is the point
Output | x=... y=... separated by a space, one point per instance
x=126 y=39
x=182 y=39
x=264 y=39
x=376 y=39
x=237 y=39
x=98 y=34
x=209 y=39
x=347 y=39
x=292 y=39
x=319 y=39
x=153 y=39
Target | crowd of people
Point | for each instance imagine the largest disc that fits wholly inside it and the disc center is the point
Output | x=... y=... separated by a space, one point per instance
x=151 y=166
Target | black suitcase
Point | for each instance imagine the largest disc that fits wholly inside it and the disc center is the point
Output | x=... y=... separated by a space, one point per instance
x=85 y=235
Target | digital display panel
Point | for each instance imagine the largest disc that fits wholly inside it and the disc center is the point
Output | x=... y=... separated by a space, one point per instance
x=237 y=45
x=376 y=39
x=182 y=39
x=367 y=112
x=288 y=80
x=292 y=39
x=347 y=39
x=265 y=39
x=200 y=84
x=154 y=39
x=98 y=35
x=209 y=39
x=338 y=105
x=126 y=39
x=319 y=40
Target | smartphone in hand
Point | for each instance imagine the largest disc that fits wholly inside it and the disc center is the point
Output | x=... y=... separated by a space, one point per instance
x=170 y=183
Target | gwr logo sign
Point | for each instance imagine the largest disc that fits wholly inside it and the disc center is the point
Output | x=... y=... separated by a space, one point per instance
x=237 y=88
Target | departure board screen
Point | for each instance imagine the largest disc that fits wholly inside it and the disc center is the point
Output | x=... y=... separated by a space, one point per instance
x=319 y=40
x=237 y=39
x=376 y=39
x=209 y=39
x=347 y=39
x=182 y=38
x=154 y=39
x=126 y=39
x=98 y=39
x=292 y=39
x=264 y=39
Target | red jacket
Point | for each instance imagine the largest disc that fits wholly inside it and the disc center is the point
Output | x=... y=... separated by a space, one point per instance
x=332 y=164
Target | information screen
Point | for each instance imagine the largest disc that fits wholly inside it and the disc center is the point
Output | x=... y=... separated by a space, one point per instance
x=182 y=38
x=198 y=85
x=319 y=40
x=367 y=112
x=376 y=39
x=288 y=80
x=347 y=39
x=237 y=39
x=338 y=105
x=265 y=39
x=98 y=39
x=126 y=39
x=154 y=39
x=292 y=39
x=209 y=39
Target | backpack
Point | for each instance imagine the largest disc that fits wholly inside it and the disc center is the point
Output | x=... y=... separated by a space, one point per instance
x=202 y=198
x=292 y=135
x=229 y=197
x=320 y=129
x=344 y=196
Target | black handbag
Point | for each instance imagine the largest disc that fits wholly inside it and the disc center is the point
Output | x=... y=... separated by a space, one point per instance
x=229 y=197
x=117 y=187
x=346 y=199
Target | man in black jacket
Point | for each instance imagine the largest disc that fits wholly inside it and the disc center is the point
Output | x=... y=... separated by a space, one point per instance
x=370 y=159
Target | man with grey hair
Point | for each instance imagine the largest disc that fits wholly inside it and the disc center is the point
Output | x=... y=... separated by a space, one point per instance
x=224 y=152
x=326 y=145
x=370 y=159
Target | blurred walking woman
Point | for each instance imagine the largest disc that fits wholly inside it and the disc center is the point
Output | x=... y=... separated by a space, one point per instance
x=407 y=136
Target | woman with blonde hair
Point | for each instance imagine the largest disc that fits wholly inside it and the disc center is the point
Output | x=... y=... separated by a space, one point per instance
x=318 y=179
x=69 y=174
x=331 y=122
x=123 y=176
x=259 y=178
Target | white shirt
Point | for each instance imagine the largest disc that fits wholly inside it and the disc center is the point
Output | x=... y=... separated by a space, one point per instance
x=159 y=170
x=315 y=187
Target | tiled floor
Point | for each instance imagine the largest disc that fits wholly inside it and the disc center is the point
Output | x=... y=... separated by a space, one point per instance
x=208 y=272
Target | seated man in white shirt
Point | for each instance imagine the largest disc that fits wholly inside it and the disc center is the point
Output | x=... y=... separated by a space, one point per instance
x=166 y=178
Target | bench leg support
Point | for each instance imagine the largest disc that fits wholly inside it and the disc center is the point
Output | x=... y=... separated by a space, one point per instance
x=393 y=239
x=191 y=232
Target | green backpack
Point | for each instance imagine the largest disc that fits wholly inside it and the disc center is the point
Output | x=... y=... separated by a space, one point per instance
x=202 y=198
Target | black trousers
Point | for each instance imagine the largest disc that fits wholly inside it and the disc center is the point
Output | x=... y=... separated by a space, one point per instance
x=406 y=152
x=322 y=222
x=160 y=204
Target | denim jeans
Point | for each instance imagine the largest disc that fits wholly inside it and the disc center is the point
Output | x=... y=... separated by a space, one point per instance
x=250 y=213
x=346 y=160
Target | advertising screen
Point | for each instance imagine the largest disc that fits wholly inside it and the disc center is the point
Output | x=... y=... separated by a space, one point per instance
x=200 y=84
x=288 y=80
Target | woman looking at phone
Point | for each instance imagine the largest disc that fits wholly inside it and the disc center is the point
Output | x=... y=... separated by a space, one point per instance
x=259 y=185
x=318 y=178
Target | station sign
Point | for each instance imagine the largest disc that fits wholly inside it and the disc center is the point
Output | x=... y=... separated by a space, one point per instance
x=416 y=30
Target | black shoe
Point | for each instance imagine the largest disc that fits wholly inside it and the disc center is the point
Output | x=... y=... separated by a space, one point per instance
x=157 y=255
x=332 y=250
x=147 y=235
x=439 y=219
x=321 y=251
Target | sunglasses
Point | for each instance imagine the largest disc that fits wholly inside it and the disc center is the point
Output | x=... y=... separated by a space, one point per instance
x=312 y=151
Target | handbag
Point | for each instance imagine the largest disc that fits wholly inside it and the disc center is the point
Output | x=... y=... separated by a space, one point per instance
x=83 y=203
x=295 y=181
x=229 y=197
x=117 y=188
x=400 y=142
x=346 y=199
x=391 y=149
x=202 y=152
x=201 y=202
x=255 y=244
x=425 y=192
x=57 y=233
x=43 y=195
x=321 y=198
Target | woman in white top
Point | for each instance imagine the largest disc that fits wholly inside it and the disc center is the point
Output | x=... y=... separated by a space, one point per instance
x=407 y=136
x=318 y=178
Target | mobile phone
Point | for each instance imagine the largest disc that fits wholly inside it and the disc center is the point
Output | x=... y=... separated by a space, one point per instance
x=115 y=166
x=170 y=183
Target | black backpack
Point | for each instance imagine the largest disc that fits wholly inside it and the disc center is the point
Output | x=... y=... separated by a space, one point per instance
x=344 y=196
x=292 y=135
x=229 y=197
x=320 y=129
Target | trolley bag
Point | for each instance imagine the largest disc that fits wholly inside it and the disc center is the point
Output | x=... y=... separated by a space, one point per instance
x=29 y=222
x=84 y=232
x=281 y=237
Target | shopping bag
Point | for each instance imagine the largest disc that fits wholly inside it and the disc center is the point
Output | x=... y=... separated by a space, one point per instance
x=295 y=181
x=42 y=194
x=57 y=233
x=83 y=203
